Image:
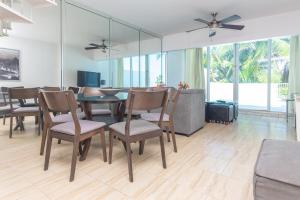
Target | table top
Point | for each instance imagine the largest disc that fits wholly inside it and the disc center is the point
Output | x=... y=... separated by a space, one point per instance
x=120 y=97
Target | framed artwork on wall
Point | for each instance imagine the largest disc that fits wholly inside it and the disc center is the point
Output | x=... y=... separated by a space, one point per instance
x=9 y=64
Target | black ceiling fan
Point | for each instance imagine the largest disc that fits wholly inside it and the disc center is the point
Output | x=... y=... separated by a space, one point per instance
x=212 y=25
x=103 y=47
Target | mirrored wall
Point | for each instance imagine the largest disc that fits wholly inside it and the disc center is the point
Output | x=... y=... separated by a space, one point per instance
x=107 y=51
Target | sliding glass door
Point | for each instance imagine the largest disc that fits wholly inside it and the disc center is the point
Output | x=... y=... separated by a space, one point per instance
x=253 y=76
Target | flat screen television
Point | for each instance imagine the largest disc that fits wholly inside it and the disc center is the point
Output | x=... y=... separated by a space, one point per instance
x=88 y=79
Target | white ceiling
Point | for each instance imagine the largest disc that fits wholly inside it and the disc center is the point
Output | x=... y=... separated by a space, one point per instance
x=173 y=16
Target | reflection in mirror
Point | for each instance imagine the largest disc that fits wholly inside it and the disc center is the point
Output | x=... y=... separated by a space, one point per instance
x=86 y=48
x=124 y=55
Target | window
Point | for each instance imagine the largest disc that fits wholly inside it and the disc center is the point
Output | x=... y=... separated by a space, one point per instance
x=221 y=72
x=253 y=76
x=127 y=73
x=135 y=71
x=279 y=73
x=155 y=72
x=143 y=71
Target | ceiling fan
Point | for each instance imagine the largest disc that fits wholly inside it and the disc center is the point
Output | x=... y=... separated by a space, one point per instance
x=212 y=25
x=103 y=47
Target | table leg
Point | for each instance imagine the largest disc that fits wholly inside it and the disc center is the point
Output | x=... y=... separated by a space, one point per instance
x=87 y=108
x=86 y=146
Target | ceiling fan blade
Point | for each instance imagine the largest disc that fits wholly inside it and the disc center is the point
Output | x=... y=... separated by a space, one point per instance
x=196 y=29
x=212 y=33
x=95 y=45
x=90 y=48
x=230 y=19
x=202 y=21
x=231 y=26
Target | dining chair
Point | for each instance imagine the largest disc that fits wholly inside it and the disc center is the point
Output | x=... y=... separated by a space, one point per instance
x=168 y=118
x=51 y=88
x=76 y=131
x=4 y=103
x=21 y=112
x=90 y=91
x=56 y=118
x=133 y=131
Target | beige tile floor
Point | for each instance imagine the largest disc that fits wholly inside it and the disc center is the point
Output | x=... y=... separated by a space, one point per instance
x=216 y=163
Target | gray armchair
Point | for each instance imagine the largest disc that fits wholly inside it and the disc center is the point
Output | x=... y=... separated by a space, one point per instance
x=190 y=111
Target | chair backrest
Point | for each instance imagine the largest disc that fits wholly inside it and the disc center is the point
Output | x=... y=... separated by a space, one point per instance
x=60 y=101
x=23 y=93
x=47 y=88
x=74 y=89
x=172 y=101
x=145 y=100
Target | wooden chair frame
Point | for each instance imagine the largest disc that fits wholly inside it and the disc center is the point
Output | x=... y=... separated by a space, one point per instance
x=65 y=102
x=23 y=94
x=140 y=100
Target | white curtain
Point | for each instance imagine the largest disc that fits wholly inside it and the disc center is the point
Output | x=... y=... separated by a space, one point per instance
x=294 y=68
x=194 y=71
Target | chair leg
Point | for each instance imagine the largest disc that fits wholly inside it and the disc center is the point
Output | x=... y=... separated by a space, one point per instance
x=10 y=126
x=48 y=151
x=111 y=138
x=173 y=137
x=39 y=125
x=129 y=161
x=168 y=133
x=74 y=160
x=103 y=144
x=59 y=141
x=162 y=149
x=141 y=149
x=44 y=136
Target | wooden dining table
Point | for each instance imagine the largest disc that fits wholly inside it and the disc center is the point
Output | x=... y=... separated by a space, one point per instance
x=117 y=104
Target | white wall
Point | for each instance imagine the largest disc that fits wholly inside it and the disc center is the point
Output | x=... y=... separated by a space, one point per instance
x=259 y=28
x=76 y=58
x=175 y=64
x=39 y=63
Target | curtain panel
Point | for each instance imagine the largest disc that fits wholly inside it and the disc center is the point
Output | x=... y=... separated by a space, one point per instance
x=194 y=70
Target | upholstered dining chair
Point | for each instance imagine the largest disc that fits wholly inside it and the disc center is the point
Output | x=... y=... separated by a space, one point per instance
x=168 y=120
x=21 y=112
x=133 y=131
x=4 y=103
x=90 y=91
x=56 y=118
x=76 y=131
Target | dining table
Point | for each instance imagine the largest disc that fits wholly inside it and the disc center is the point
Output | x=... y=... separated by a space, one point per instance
x=116 y=102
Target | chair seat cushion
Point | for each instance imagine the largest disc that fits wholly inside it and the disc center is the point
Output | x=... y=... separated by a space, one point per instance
x=101 y=112
x=26 y=109
x=136 y=127
x=69 y=127
x=277 y=174
x=154 y=117
x=66 y=117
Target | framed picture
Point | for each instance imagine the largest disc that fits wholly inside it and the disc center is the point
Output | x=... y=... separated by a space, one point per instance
x=9 y=64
